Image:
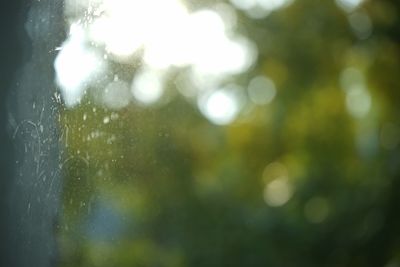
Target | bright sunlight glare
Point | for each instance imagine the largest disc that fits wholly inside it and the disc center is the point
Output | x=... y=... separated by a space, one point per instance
x=147 y=87
x=162 y=34
x=76 y=66
x=221 y=106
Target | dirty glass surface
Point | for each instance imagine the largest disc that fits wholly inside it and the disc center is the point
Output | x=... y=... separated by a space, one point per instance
x=226 y=133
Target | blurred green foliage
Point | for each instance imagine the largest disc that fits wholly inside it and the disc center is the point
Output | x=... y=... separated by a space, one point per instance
x=162 y=186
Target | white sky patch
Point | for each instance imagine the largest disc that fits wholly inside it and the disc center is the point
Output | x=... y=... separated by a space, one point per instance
x=221 y=106
x=165 y=34
x=128 y=25
x=206 y=31
x=112 y=33
x=76 y=65
x=228 y=15
x=199 y=40
x=171 y=36
x=147 y=86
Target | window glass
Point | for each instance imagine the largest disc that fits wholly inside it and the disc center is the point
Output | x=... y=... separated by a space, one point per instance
x=229 y=133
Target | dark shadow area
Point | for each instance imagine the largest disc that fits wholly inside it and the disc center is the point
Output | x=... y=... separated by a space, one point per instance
x=13 y=39
x=29 y=154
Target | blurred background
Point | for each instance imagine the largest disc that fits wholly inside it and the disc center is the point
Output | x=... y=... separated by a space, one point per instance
x=230 y=133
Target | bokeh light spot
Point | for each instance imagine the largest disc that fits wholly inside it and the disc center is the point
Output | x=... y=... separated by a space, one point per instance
x=278 y=192
x=147 y=86
x=261 y=90
x=358 y=102
x=348 y=5
x=361 y=25
x=116 y=95
x=220 y=106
